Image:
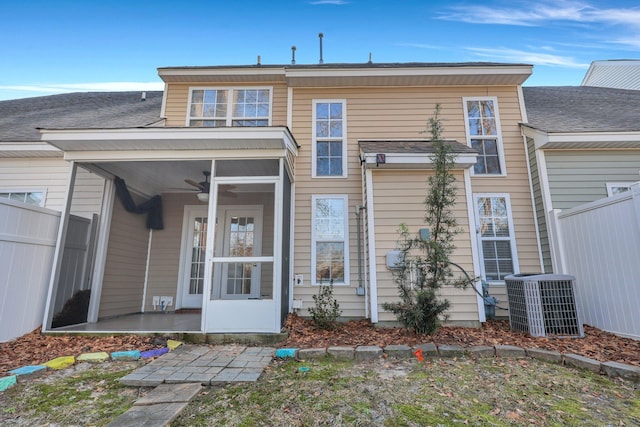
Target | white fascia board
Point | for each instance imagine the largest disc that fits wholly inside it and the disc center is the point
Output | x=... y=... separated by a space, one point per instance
x=592 y=137
x=27 y=146
x=150 y=155
x=406 y=159
x=409 y=71
x=157 y=133
x=218 y=72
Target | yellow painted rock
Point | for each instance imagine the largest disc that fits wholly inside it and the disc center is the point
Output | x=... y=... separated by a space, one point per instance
x=60 y=362
x=173 y=344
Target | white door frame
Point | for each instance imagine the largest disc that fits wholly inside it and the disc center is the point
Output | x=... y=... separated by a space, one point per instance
x=190 y=212
x=216 y=309
x=222 y=239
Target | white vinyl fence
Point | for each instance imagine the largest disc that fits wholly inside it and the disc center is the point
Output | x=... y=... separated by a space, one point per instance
x=27 y=243
x=599 y=243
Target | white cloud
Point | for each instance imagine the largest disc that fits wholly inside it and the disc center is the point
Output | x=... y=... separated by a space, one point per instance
x=419 y=45
x=85 y=87
x=521 y=56
x=336 y=2
x=541 y=13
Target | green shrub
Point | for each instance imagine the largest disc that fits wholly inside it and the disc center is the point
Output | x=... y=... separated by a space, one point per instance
x=327 y=310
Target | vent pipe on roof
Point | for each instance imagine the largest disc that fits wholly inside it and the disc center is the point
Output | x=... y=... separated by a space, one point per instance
x=259 y=63
x=321 y=36
x=143 y=96
x=293 y=55
x=370 y=58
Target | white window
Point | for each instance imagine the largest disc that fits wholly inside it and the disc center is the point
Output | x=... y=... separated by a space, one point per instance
x=330 y=240
x=29 y=197
x=218 y=107
x=614 y=188
x=496 y=238
x=329 y=155
x=483 y=133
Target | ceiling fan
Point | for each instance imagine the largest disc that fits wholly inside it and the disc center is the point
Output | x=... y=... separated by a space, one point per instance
x=203 y=187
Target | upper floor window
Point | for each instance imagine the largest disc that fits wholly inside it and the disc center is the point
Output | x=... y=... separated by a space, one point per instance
x=29 y=197
x=483 y=134
x=329 y=138
x=229 y=107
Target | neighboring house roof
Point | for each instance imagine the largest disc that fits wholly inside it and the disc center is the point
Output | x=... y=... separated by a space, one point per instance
x=620 y=74
x=573 y=109
x=20 y=118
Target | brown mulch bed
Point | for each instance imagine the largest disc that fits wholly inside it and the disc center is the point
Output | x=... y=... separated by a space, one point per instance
x=35 y=348
x=596 y=344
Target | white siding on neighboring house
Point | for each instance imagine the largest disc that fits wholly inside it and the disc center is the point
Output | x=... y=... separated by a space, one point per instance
x=577 y=177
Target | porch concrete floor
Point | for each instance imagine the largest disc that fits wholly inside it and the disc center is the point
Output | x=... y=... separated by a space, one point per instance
x=141 y=322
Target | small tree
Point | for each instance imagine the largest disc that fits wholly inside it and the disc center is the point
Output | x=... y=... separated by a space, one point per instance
x=425 y=264
x=327 y=310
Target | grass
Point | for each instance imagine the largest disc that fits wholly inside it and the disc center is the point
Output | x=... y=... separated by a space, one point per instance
x=83 y=395
x=487 y=392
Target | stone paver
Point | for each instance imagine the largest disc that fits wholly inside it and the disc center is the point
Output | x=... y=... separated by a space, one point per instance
x=577 y=361
x=510 y=351
x=312 y=353
x=98 y=357
x=203 y=365
x=544 y=355
x=616 y=369
x=399 y=351
x=6 y=382
x=341 y=352
x=149 y=416
x=451 y=350
x=367 y=352
x=428 y=350
x=481 y=351
x=60 y=362
x=166 y=393
x=30 y=371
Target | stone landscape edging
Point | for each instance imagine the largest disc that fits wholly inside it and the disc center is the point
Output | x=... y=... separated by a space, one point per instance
x=433 y=351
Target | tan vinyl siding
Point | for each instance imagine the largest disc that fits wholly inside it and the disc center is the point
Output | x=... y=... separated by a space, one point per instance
x=165 y=245
x=580 y=176
x=397 y=113
x=177 y=102
x=515 y=183
x=398 y=198
x=537 y=194
x=123 y=281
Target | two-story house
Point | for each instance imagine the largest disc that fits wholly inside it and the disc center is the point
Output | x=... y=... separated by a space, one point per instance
x=308 y=171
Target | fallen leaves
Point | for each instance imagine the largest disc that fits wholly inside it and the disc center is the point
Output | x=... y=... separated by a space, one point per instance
x=596 y=344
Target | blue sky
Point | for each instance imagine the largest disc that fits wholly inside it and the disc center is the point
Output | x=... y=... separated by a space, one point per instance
x=60 y=46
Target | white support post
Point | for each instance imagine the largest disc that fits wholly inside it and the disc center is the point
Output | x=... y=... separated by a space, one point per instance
x=473 y=236
x=146 y=273
x=555 y=241
x=373 y=286
x=59 y=252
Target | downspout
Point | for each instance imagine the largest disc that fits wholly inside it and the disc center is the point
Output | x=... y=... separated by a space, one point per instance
x=360 y=289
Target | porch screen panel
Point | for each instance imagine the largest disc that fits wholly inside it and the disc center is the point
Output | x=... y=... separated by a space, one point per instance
x=286 y=245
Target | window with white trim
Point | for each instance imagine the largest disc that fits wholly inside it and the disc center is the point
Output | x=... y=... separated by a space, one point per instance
x=329 y=138
x=497 y=241
x=614 y=188
x=35 y=198
x=218 y=107
x=330 y=240
x=483 y=133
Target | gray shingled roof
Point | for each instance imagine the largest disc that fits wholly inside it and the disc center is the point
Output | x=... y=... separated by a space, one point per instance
x=20 y=118
x=582 y=109
x=409 y=146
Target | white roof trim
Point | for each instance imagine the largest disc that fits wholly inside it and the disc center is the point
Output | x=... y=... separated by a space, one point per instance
x=409 y=71
x=414 y=160
x=557 y=140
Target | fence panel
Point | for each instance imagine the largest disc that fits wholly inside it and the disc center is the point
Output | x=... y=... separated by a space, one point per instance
x=600 y=244
x=27 y=244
